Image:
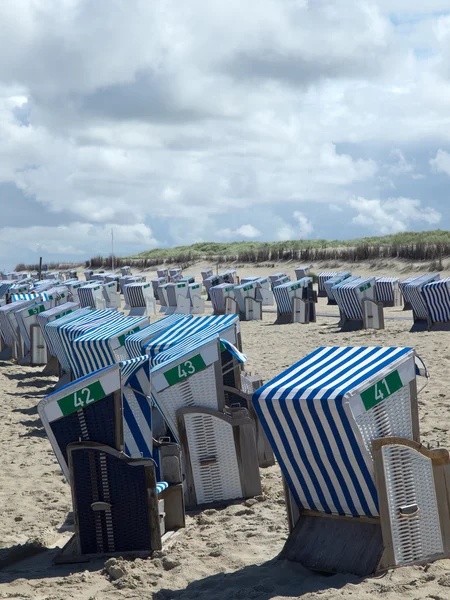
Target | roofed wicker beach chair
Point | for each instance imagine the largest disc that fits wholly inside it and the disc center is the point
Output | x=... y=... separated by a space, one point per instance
x=30 y=337
x=210 y=282
x=358 y=306
x=109 y=413
x=295 y=301
x=126 y=270
x=9 y=329
x=155 y=285
x=302 y=271
x=362 y=495
x=136 y=343
x=139 y=298
x=218 y=294
x=91 y=296
x=388 y=291
x=321 y=278
x=412 y=293
x=329 y=283
x=206 y=273
x=175 y=274
x=112 y=294
x=163 y=273
x=220 y=458
x=245 y=302
x=436 y=297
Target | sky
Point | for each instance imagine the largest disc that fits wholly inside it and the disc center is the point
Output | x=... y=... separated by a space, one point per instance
x=177 y=122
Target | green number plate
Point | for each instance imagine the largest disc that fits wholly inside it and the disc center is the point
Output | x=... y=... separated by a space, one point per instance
x=81 y=398
x=381 y=390
x=63 y=314
x=185 y=369
x=365 y=287
x=122 y=337
x=246 y=289
x=36 y=310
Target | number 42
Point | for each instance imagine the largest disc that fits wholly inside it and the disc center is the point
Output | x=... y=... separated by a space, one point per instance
x=79 y=401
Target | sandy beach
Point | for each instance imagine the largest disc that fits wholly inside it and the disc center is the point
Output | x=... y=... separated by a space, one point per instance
x=222 y=554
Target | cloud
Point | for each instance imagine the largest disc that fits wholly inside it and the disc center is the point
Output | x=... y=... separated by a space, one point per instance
x=300 y=228
x=392 y=215
x=441 y=162
x=244 y=231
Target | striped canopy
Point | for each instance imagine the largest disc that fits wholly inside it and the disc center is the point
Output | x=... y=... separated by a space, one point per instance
x=309 y=413
x=135 y=294
x=436 y=297
x=385 y=288
x=227 y=326
x=329 y=283
x=88 y=293
x=348 y=293
x=63 y=333
x=18 y=297
x=103 y=345
x=324 y=276
x=58 y=312
x=217 y=295
x=135 y=343
x=189 y=344
x=412 y=292
x=284 y=293
x=50 y=328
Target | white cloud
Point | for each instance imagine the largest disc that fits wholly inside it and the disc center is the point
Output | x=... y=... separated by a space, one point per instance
x=392 y=215
x=441 y=162
x=300 y=228
x=244 y=231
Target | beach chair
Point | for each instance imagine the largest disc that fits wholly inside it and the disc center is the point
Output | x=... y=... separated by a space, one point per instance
x=88 y=274
x=10 y=329
x=302 y=271
x=175 y=274
x=322 y=417
x=137 y=342
x=229 y=276
x=91 y=296
x=412 y=293
x=388 y=291
x=358 y=307
x=162 y=295
x=277 y=276
x=197 y=303
x=329 y=283
x=4 y=287
x=321 y=279
x=155 y=285
x=111 y=294
x=139 y=298
x=163 y=273
x=103 y=345
x=245 y=302
x=41 y=337
x=295 y=301
x=206 y=273
x=212 y=281
x=126 y=270
x=220 y=459
x=26 y=318
x=218 y=293
x=177 y=293
x=436 y=297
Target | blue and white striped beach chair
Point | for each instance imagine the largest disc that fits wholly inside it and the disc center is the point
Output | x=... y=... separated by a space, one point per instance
x=137 y=297
x=137 y=342
x=187 y=388
x=329 y=283
x=412 y=293
x=292 y=293
x=211 y=281
x=388 y=291
x=321 y=278
x=322 y=416
x=247 y=302
x=104 y=345
x=111 y=294
x=436 y=297
x=356 y=299
x=302 y=271
x=9 y=328
x=218 y=293
x=91 y=296
x=26 y=317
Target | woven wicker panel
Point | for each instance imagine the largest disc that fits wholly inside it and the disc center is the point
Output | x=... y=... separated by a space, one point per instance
x=210 y=437
x=94 y=423
x=391 y=417
x=410 y=481
x=198 y=390
x=100 y=477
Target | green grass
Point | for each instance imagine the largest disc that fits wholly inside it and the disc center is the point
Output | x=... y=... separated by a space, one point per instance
x=240 y=249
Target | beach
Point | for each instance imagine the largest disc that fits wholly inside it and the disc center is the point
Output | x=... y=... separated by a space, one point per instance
x=223 y=554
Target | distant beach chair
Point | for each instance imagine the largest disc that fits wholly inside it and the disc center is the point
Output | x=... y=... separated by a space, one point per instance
x=321 y=278
x=206 y=273
x=26 y=318
x=212 y=281
x=295 y=301
x=220 y=458
x=329 y=283
x=388 y=291
x=10 y=329
x=323 y=417
x=197 y=303
x=126 y=270
x=436 y=297
x=139 y=298
x=88 y=274
x=42 y=318
x=245 y=302
x=302 y=271
x=175 y=274
x=218 y=293
x=91 y=296
x=155 y=285
x=412 y=293
x=111 y=294
x=229 y=276
x=163 y=273
x=358 y=306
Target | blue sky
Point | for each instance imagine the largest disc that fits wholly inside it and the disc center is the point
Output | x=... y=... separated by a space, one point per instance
x=174 y=122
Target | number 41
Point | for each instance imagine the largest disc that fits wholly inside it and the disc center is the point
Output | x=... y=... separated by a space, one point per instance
x=379 y=394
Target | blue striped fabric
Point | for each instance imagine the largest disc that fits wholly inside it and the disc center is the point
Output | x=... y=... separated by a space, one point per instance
x=161 y=486
x=404 y=283
x=4 y=287
x=329 y=283
x=436 y=297
x=51 y=328
x=385 y=288
x=346 y=296
x=216 y=293
x=137 y=408
x=58 y=312
x=135 y=343
x=62 y=332
x=412 y=293
x=284 y=293
x=18 y=297
x=8 y=325
x=324 y=276
x=205 y=326
x=305 y=412
x=135 y=294
x=88 y=293
x=93 y=350
x=190 y=344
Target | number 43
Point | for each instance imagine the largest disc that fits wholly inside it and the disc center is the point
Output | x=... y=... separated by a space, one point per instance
x=185 y=369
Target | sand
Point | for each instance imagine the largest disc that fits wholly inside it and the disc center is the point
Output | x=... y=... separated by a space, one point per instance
x=222 y=554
